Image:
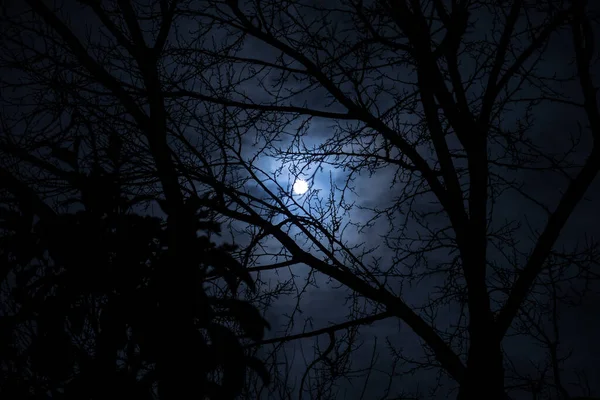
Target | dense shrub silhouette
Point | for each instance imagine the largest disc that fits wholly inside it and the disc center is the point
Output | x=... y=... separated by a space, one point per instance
x=84 y=286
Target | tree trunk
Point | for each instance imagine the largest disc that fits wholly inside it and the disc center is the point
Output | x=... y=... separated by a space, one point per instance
x=484 y=375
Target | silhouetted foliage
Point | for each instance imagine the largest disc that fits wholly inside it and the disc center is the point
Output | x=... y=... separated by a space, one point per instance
x=85 y=291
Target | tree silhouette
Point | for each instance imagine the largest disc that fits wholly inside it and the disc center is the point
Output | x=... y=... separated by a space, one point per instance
x=85 y=299
x=438 y=103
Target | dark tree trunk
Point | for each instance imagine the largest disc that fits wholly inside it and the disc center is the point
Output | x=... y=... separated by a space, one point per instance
x=484 y=376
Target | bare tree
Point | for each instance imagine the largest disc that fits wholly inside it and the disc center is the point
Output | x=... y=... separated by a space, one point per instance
x=436 y=100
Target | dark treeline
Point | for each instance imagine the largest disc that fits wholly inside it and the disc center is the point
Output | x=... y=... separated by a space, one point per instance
x=81 y=301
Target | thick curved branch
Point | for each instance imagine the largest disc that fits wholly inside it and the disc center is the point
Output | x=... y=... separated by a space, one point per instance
x=574 y=193
x=334 y=328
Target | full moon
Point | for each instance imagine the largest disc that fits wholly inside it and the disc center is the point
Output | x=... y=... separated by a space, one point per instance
x=300 y=186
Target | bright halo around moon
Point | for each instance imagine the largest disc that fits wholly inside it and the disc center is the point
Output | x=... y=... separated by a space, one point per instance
x=300 y=186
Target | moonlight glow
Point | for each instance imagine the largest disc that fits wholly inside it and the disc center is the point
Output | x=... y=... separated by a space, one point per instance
x=300 y=186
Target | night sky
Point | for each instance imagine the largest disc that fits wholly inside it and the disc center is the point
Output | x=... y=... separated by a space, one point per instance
x=374 y=207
